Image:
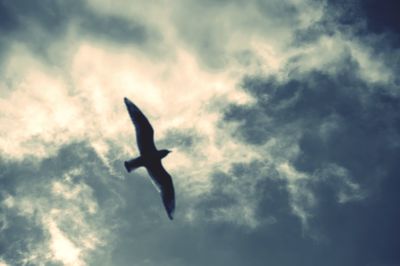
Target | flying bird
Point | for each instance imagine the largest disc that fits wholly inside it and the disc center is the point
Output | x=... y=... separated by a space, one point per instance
x=150 y=157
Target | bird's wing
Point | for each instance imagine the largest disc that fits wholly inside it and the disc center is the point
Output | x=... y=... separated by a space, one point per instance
x=144 y=130
x=164 y=181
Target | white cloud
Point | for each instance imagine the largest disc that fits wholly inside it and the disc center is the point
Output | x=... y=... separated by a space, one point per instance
x=347 y=189
x=67 y=213
x=46 y=107
x=62 y=248
x=302 y=199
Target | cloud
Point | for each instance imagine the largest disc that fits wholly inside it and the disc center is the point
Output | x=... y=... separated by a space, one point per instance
x=283 y=119
x=343 y=131
x=210 y=33
x=55 y=208
x=50 y=29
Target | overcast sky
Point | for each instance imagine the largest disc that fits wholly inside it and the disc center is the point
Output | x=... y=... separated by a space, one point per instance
x=283 y=118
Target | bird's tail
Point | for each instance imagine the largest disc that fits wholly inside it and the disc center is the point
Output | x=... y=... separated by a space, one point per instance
x=133 y=164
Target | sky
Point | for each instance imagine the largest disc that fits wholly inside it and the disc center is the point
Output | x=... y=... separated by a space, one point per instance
x=283 y=118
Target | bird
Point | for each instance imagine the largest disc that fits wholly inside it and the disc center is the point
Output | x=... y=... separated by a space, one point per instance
x=150 y=157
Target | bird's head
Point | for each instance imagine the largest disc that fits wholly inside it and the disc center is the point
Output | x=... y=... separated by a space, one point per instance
x=164 y=153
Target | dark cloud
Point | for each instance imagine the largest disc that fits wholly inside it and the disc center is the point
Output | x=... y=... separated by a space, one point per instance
x=369 y=11
x=8 y=21
x=38 y=24
x=116 y=29
x=368 y=17
x=342 y=120
x=17 y=236
x=377 y=22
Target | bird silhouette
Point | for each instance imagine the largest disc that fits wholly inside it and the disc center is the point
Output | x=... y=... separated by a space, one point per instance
x=150 y=157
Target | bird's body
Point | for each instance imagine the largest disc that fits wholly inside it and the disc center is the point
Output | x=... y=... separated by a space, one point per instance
x=150 y=157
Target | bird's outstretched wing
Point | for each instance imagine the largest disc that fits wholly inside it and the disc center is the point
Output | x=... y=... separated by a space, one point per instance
x=144 y=130
x=163 y=180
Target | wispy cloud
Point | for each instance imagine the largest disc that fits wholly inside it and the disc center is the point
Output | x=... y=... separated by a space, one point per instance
x=279 y=115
